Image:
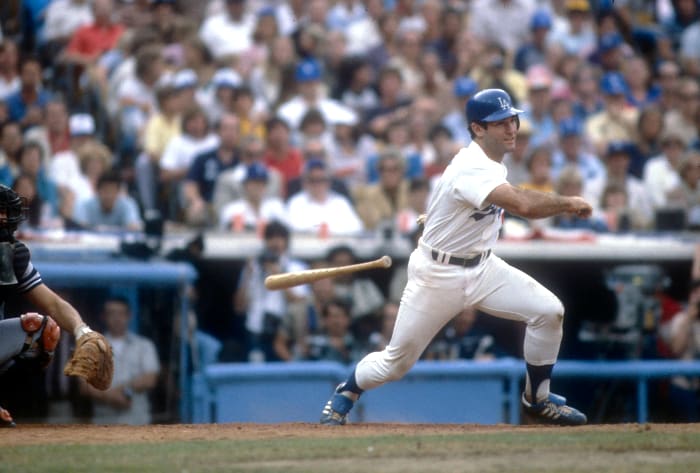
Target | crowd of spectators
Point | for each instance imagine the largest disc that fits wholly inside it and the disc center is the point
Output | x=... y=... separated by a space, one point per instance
x=335 y=97
x=334 y=117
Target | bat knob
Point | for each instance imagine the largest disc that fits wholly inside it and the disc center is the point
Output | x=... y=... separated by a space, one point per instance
x=386 y=261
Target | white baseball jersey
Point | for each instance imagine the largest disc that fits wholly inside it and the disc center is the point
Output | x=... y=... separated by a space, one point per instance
x=459 y=221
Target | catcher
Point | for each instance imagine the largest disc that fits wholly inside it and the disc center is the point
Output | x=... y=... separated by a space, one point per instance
x=33 y=336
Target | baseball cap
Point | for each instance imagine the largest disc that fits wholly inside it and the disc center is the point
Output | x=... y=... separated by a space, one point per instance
x=539 y=77
x=308 y=70
x=226 y=77
x=673 y=134
x=541 y=19
x=465 y=86
x=569 y=127
x=608 y=42
x=312 y=164
x=256 y=172
x=185 y=79
x=612 y=83
x=81 y=124
x=618 y=147
x=578 y=5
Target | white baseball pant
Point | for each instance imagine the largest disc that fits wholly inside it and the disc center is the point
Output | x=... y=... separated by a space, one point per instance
x=436 y=292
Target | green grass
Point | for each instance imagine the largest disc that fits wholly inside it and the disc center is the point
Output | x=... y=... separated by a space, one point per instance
x=501 y=452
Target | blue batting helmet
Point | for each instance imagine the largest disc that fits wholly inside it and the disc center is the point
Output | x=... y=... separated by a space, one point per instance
x=490 y=105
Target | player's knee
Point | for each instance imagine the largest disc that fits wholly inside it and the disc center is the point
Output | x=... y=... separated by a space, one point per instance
x=400 y=367
x=551 y=315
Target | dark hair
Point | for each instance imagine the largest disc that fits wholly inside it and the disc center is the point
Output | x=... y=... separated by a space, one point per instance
x=343 y=303
x=32 y=207
x=275 y=228
x=313 y=115
x=439 y=129
x=32 y=144
x=275 y=121
x=109 y=177
x=339 y=249
x=419 y=183
x=119 y=300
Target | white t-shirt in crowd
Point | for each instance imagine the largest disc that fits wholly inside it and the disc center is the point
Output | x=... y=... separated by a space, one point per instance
x=336 y=212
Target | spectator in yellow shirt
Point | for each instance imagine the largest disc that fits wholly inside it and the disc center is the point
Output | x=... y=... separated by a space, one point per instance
x=160 y=129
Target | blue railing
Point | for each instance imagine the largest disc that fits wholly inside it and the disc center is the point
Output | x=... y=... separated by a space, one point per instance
x=434 y=392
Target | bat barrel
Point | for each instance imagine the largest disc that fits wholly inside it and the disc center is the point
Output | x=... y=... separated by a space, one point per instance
x=285 y=280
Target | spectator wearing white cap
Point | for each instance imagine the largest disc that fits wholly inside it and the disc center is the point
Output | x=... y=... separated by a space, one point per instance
x=308 y=76
x=255 y=208
x=217 y=97
x=229 y=33
x=186 y=84
x=64 y=167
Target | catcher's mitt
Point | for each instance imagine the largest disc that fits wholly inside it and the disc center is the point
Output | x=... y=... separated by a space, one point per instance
x=92 y=360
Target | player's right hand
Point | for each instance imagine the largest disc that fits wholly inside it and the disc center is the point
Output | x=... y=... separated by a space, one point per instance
x=580 y=207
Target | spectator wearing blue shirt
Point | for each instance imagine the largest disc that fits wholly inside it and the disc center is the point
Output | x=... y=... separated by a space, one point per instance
x=572 y=153
x=640 y=90
x=199 y=183
x=534 y=51
x=110 y=209
x=25 y=106
x=537 y=111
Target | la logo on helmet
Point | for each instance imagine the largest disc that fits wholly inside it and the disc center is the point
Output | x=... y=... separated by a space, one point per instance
x=503 y=103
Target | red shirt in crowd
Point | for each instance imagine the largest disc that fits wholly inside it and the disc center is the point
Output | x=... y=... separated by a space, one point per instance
x=93 y=40
x=290 y=165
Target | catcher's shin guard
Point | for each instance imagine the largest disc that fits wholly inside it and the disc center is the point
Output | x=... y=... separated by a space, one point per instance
x=6 y=419
x=43 y=334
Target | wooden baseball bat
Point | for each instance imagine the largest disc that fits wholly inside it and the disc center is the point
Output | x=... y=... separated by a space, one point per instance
x=296 y=278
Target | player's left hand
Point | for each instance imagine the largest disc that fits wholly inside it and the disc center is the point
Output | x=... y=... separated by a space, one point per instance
x=92 y=360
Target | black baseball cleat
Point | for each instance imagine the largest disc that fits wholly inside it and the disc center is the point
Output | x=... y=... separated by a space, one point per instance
x=6 y=419
x=336 y=410
x=554 y=410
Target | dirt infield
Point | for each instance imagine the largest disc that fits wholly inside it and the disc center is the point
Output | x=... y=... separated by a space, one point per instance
x=34 y=434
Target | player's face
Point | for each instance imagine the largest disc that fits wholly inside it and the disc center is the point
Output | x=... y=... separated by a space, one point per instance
x=499 y=137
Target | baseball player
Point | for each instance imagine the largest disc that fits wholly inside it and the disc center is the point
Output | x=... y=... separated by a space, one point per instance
x=453 y=267
x=31 y=335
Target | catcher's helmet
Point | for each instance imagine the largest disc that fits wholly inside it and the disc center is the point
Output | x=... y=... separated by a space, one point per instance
x=13 y=210
x=490 y=105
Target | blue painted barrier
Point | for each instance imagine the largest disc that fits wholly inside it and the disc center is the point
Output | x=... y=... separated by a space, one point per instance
x=432 y=392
